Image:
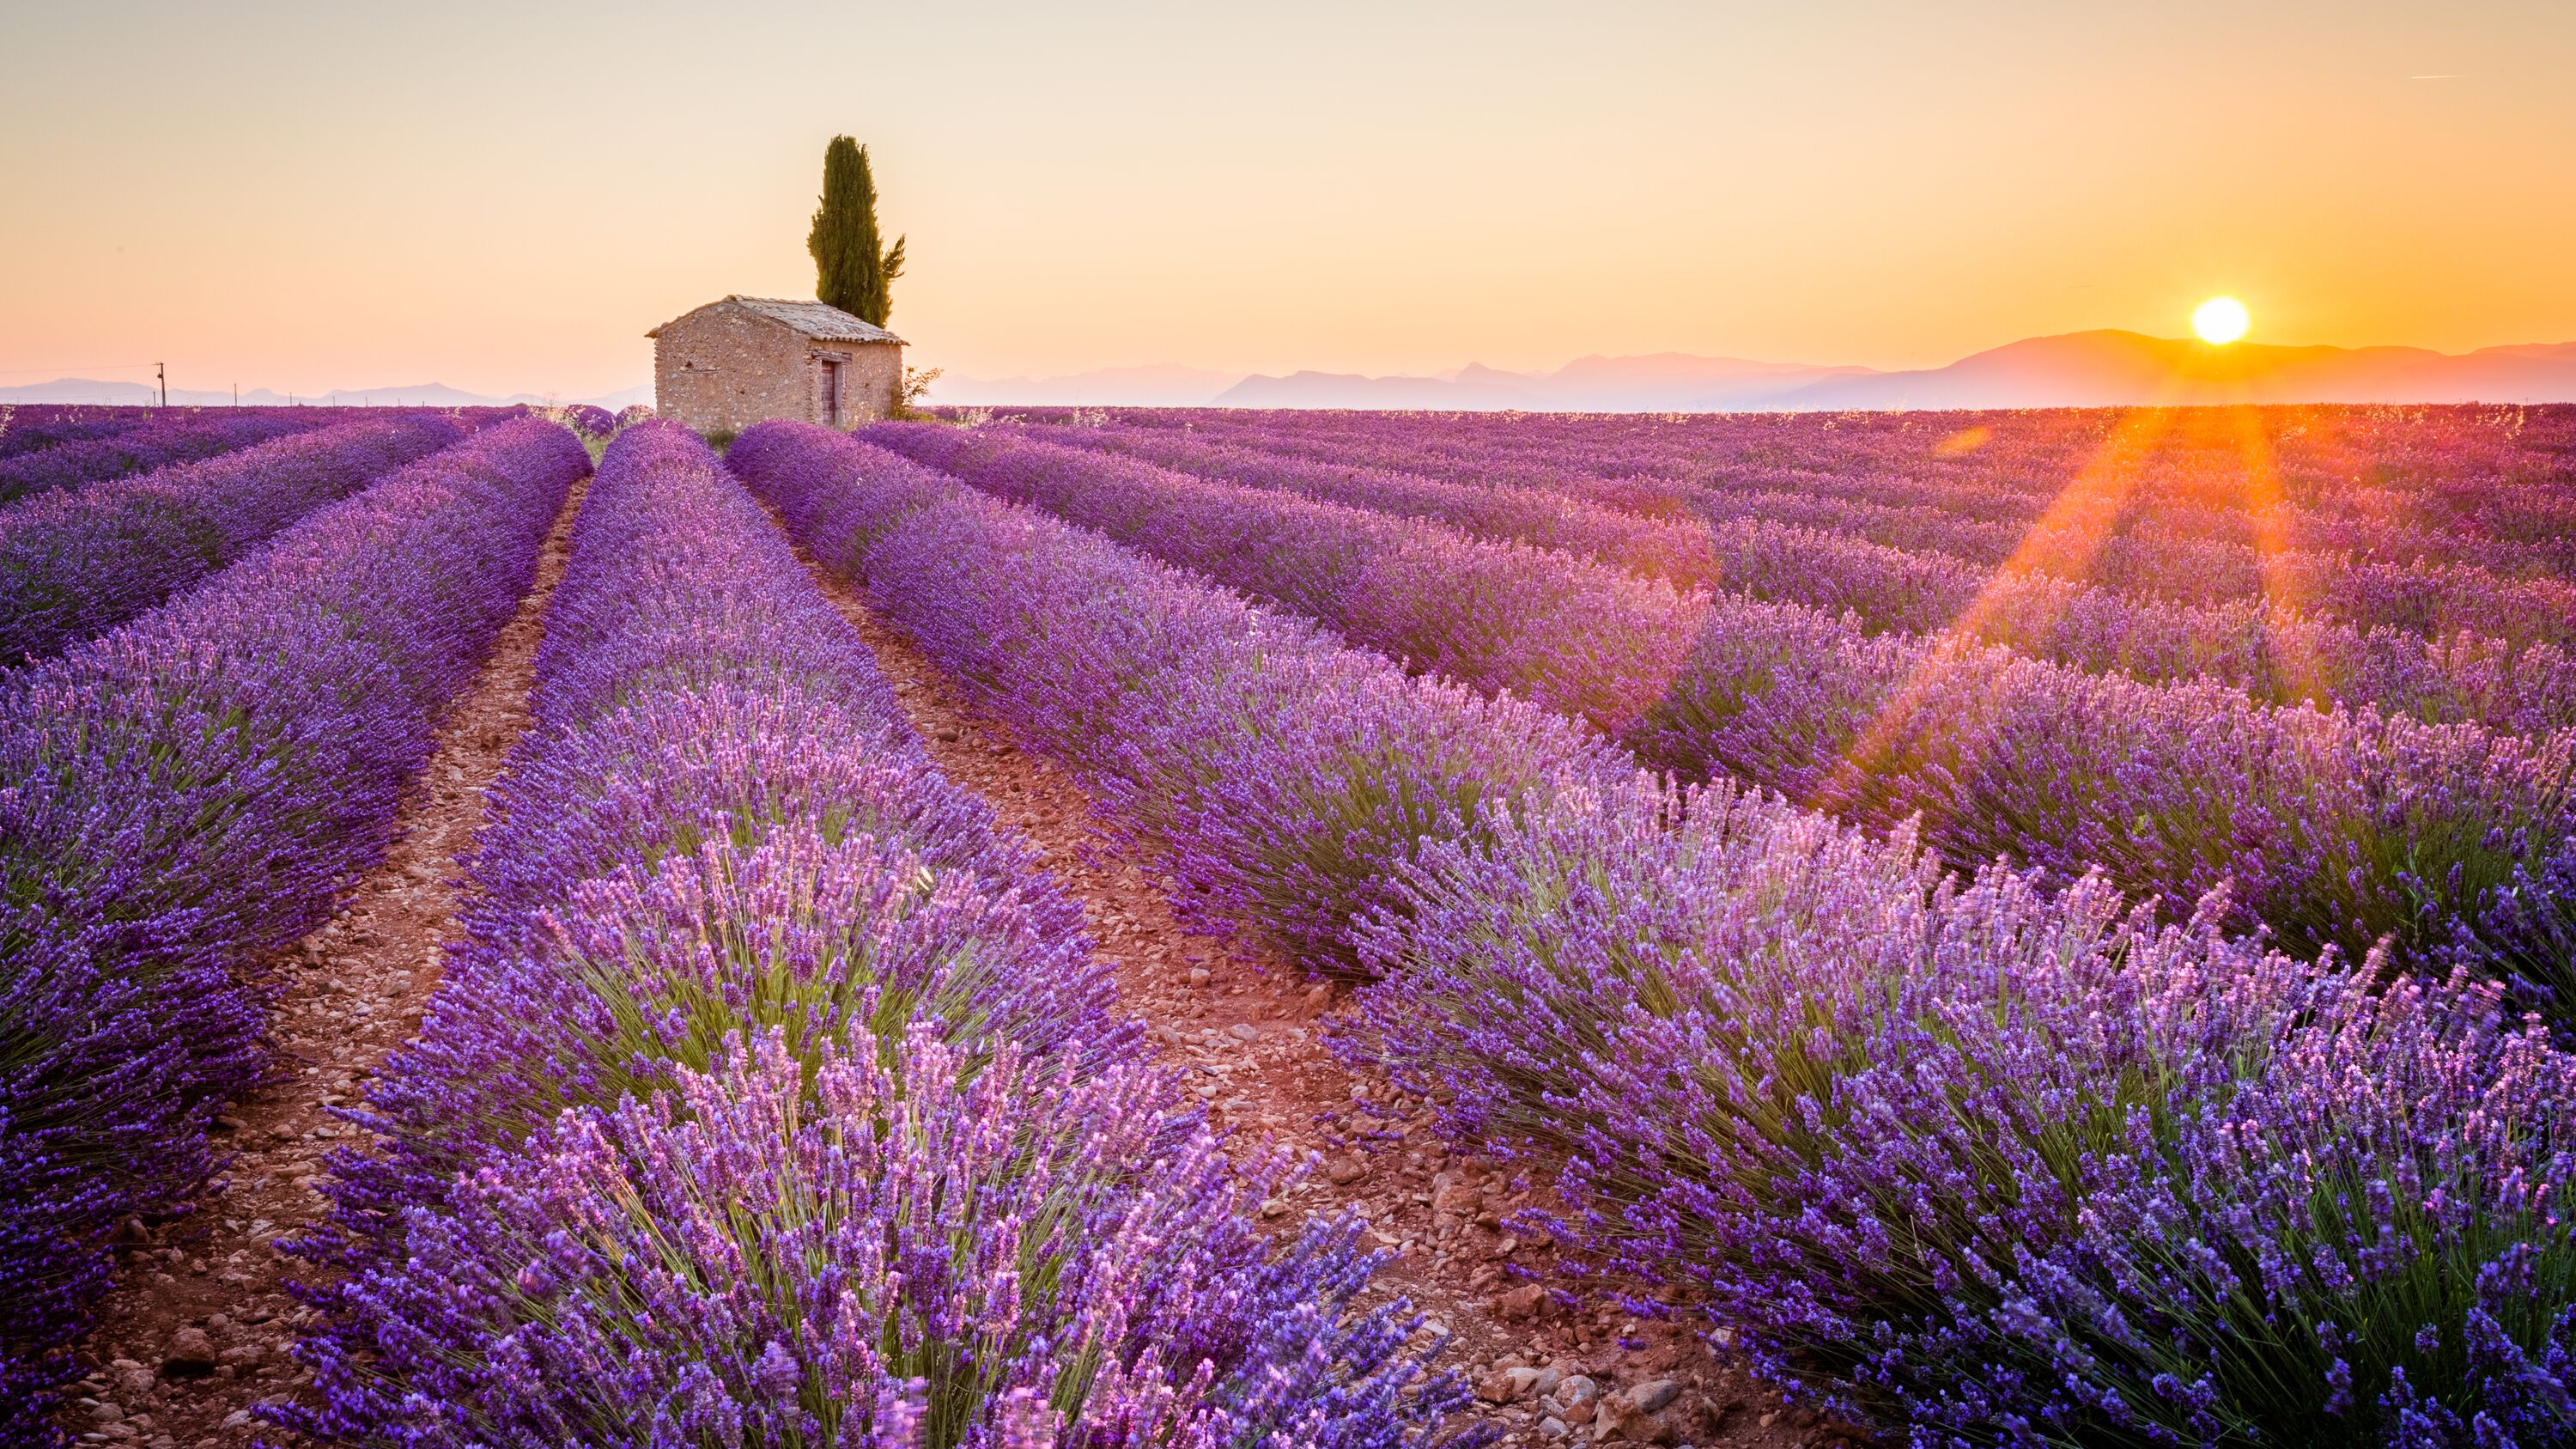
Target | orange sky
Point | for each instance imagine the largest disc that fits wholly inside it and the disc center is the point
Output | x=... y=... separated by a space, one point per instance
x=505 y=197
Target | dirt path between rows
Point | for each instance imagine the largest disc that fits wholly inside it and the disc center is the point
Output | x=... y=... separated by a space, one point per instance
x=1245 y=1023
x=194 y=1335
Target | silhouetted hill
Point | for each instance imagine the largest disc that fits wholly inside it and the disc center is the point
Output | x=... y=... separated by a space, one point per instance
x=1133 y=387
x=1656 y=382
x=2108 y=368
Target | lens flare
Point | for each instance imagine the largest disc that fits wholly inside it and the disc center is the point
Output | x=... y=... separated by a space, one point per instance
x=2220 y=320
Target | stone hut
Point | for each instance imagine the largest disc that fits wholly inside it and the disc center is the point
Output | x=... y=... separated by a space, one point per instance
x=743 y=360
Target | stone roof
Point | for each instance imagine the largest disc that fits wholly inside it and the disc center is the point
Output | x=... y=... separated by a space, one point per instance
x=813 y=319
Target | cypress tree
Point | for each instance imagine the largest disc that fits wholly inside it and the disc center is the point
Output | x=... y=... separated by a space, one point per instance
x=852 y=271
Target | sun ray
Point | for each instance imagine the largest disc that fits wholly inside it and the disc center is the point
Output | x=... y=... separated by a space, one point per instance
x=2269 y=512
x=2066 y=541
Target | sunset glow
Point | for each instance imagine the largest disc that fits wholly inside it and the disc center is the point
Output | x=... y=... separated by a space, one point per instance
x=385 y=199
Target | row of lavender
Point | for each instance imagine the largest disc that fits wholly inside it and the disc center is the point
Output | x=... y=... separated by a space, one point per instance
x=597 y=423
x=33 y=427
x=79 y=560
x=184 y=794
x=2071 y=534
x=774 y=1097
x=45 y=447
x=2481 y=486
x=2072 y=539
x=2516 y=673
x=2004 y=1166
x=2340 y=460
x=2340 y=829
x=176 y=436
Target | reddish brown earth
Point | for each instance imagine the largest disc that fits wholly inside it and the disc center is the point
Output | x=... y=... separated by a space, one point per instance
x=1245 y=1022
x=195 y=1333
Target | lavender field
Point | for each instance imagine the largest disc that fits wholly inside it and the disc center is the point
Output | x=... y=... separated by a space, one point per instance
x=1211 y=927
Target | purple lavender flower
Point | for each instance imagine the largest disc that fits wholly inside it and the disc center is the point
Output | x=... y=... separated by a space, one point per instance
x=1826 y=553
x=187 y=791
x=2330 y=829
x=34 y=427
x=1997 y=1160
x=167 y=436
x=81 y=559
x=1288 y=776
x=976 y=1252
x=591 y=421
x=732 y=942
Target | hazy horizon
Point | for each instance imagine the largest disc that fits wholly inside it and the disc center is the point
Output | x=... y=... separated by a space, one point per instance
x=1379 y=191
x=2102 y=367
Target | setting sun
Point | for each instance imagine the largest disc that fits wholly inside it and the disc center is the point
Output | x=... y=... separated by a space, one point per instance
x=2220 y=320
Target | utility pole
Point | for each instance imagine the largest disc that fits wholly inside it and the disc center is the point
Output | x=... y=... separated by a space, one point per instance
x=236 y=394
x=162 y=370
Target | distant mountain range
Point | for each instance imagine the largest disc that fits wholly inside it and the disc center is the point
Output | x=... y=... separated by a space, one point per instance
x=2097 y=369
x=2078 y=369
x=1112 y=387
x=1657 y=382
x=416 y=395
x=1674 y=381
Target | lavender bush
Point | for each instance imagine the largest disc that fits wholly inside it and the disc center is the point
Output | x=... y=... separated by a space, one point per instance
x=2112 y=493
x=591 y=421
x=711 y=743
x=1578 y=637
x=1287 y=775
x=1786 y=547
x=733 y=940
x=33 y=427
x=177 y=436
x=941 y=1250
x=2410 y=659
x=1970 y=1158
x=1867 y=514
x=2341 y=828
x=2467 y=483
x=1676 y=550
x=2333 y=828
x=2004 y=1168
x=187 y=792
x=81 y=559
